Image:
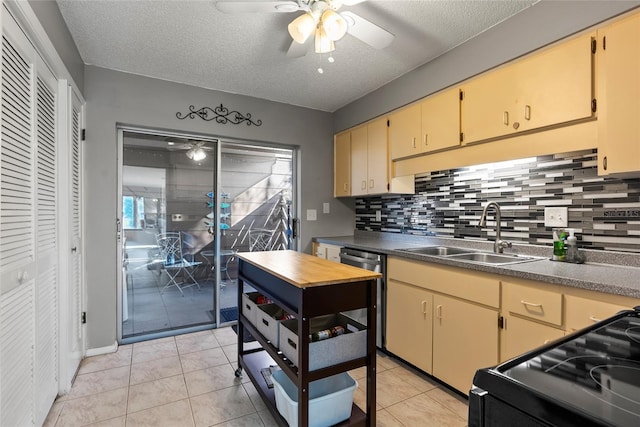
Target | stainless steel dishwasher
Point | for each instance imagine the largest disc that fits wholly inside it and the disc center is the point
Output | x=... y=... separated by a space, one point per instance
x=372 y=262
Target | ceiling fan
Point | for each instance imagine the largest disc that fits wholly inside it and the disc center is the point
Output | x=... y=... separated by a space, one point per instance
x=320 y=19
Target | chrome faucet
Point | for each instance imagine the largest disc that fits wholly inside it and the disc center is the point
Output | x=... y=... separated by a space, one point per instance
x=499 y=244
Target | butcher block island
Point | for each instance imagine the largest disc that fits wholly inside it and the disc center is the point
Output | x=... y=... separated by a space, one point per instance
x=303 y=294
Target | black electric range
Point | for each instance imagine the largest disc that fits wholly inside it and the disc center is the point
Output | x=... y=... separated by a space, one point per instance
x=590 y=378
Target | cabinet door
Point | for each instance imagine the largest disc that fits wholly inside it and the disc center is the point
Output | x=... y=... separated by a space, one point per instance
x=342 y=165
x=618 y=93
x=465 y=339
x=377 y=157
x=359 y=161
x=583 y=312
x=409 y=324
x=520 y=335
x=441 y=121
x=333 y=253
x=486 y=105
x=404 y=132
x=555 y=86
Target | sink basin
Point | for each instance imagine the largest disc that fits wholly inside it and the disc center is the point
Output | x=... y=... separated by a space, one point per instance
x=437 y=250
x=491 y=258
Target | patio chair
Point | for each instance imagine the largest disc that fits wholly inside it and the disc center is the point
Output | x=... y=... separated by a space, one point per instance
x=178 y=268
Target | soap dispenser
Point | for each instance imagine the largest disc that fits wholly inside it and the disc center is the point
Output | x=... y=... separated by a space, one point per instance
x=572 y=254
x=559 y=250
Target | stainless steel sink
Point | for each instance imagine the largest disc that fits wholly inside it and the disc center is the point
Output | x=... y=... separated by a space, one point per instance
x=438 y=250
x=492 y=258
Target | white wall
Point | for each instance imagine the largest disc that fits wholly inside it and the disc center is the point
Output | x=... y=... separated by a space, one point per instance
x=113 y=97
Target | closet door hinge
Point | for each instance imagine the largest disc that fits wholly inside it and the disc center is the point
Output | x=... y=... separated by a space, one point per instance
x=83 y=317
x=83 y=137
x=501 y=322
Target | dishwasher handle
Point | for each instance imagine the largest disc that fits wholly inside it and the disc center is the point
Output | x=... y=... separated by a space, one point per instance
x=373 y=262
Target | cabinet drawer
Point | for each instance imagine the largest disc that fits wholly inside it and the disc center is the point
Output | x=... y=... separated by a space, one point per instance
x=475 y=286
x=583 y=312
x=534 y=303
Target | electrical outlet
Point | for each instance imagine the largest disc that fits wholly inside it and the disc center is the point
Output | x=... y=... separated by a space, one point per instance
x=556 y=216
x=326 y=207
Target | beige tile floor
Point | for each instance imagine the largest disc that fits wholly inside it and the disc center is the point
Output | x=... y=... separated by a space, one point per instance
x=189 y=380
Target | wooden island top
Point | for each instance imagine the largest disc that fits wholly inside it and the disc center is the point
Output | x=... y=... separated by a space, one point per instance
x=304 y=270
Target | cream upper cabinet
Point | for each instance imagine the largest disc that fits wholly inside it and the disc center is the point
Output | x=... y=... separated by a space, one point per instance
x=405 y=132
x=430 y=125
x=486 y=105
x=342 y=165
x=465 y=339
x=409 y=323
x=441 y=120
x=618 y=95
x=550 y=87
x=369 y=158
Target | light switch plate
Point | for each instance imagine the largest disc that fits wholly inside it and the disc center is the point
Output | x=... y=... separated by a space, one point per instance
x=312 y=215
x=556 y=216
x=326 y=207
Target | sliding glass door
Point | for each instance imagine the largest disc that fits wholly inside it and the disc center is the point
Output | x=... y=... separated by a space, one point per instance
x=188 y=206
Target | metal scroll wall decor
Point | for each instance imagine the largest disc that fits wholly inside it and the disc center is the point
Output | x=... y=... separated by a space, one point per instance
x=220 y=114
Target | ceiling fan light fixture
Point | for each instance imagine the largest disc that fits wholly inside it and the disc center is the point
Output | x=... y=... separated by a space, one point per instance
x=323 y=44
x=302 y=27
x=196 y=154
x=333 y=24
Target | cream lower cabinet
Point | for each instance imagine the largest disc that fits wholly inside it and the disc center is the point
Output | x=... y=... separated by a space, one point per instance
x=325 y=251
x=583 y=312
x=409 y=323
x=521 y=335
x=442 y=319
x=465 y=339
x=532 y=316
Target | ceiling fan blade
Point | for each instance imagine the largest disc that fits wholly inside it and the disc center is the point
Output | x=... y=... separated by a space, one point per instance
x=367 y=31
x=298 y=50
x=257 y=6
x=351 y=2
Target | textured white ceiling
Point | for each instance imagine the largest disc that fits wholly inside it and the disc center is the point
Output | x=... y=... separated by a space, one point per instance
x=192 y=42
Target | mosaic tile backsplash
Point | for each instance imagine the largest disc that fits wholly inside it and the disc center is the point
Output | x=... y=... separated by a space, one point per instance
x=604 y=211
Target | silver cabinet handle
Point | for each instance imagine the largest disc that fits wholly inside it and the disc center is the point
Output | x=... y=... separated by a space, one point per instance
x=439 y=312
x=530 y=304
x=527 y=112
x=505 y=118
x=414 y=142
x=371 y=183
x=424 y=309
x=426 y=141
x=594 y=319
x=363 y=185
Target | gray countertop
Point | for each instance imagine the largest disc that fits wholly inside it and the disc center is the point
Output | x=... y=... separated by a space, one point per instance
x=610 y=272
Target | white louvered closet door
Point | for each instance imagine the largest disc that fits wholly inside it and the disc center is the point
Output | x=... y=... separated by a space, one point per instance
x=47 y=283
x=17 y=255
x=76 y=302
x=29 y=275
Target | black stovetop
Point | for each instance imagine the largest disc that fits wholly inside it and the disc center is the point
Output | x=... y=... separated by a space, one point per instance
x=596 y=372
